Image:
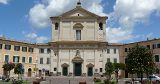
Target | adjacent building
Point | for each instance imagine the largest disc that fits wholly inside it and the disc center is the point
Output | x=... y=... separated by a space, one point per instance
x=18 y=52
x=153 y=45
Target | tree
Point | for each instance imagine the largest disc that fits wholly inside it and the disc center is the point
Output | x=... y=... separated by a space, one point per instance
x=117 y=67
x=19 y=69
x=139 y=60
x=109 y=68
x=8 y=67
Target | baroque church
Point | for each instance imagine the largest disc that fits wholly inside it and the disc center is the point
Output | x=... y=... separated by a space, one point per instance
x=79 y=43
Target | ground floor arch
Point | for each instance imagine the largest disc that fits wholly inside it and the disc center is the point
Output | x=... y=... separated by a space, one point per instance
x=29 y=72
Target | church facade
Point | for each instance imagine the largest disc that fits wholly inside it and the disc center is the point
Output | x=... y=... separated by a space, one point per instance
x=79 y=44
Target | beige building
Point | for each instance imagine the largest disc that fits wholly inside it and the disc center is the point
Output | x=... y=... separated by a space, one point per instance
x=153 y=45
x=18 y=52
x=79 y=44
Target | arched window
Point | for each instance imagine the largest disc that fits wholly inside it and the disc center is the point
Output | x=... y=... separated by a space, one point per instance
x=100 y=26
x=56 y=26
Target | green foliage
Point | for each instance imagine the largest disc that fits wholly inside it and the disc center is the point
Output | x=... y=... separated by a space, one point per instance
x=109 y=82
x=17 y=82
x=97 y=80
x=139 y=60
x=8 y=66
x=19 y=69
x=109 y=68
x=119 y=66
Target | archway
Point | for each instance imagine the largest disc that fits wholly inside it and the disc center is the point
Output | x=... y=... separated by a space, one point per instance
x=29 y=72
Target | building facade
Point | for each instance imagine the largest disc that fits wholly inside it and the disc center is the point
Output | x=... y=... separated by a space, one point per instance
x=78 y=46
x=153 y=45
x=18 y=52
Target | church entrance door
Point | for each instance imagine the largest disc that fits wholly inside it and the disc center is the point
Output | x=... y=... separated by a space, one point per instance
x=90 y=71
x=65 y=71
x=77 y=69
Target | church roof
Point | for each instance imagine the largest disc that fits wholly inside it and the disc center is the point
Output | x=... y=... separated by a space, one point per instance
x=80 y=12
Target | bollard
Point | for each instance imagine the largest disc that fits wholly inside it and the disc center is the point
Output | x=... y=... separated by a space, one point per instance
x=69 y=81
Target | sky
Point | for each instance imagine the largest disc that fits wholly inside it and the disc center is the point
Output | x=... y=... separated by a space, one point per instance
x=129 y=20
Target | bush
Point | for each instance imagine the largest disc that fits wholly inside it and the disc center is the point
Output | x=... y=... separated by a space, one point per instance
x=107 y=81
x=97 y=80
x=112 y=82
x=17 y=82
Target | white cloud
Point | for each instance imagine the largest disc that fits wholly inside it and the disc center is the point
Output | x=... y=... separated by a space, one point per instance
x=33 y=37
x=41 y=39
x=118 y=34
x=4 y=1
x=39 y=14
x=128 y=13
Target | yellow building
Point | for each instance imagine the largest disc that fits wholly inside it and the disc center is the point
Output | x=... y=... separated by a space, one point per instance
x=18 y=52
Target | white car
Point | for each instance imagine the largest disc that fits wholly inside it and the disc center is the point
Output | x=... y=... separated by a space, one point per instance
x=154 y=78
x=1 y=77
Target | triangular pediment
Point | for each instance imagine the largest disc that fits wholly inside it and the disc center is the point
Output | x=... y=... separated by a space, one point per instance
x=79 y=12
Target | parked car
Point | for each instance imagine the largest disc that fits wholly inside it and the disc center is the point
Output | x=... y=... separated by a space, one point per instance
x=154 y=78
x=1 y=77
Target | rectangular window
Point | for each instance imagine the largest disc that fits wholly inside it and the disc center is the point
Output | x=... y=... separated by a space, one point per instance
x=23 y=59
x=30 y=59
x=153 y=46
x=41 y=60
x=78 y=34
x=48 y=50
x=30 y=50
x=48 y=60
x=115 y=60
x=101 y=70
x=16 y=48
x=8 y=47
x=41 y=50
x=15 y=58
x=126 y=50
x=156 y=58
x=115 y=51
x=55 y=69
x=158 y=45
x=108 y=51
x=24 y=49
x=1 y=46
x=6 y=58
x=148 y=46
x=108 y=60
